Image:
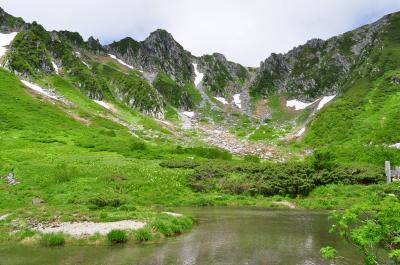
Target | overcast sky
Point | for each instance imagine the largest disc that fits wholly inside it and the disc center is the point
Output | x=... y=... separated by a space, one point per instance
x=246 y=31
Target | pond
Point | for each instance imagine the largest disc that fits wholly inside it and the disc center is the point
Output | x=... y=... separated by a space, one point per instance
x=222 y=236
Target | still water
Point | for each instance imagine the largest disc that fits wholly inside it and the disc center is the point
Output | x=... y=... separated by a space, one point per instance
x=223 y=236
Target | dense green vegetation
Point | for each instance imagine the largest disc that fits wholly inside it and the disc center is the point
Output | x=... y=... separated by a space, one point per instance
x=268 y=179
x=220 y=73
x=175 y=94
x=361 y=123
x=130 y=88
x=117 y=236
x=8 y=22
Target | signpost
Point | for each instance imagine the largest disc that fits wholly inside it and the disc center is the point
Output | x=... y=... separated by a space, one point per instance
x=388 y=172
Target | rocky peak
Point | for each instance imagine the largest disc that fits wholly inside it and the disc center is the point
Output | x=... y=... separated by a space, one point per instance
x=160 y=35
x=318 y=67
x=220 y=57
x=73 y=38
x=95 y=45
x=10 y=23
x=159 y=52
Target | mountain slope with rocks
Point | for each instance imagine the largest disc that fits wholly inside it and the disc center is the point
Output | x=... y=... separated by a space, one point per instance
x=278 y=102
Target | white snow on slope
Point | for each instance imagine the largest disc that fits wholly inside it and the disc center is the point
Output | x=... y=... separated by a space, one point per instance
x=297 y=104
x=300 y=132
x=55 y=67
x=120 y=61
x=40 y=90
x=103 y=104
x=189 y=114
x=324 y=101
x=237 y=101
x=396 y=145
x=5 y=40
x=198 y=76
x=222 y=100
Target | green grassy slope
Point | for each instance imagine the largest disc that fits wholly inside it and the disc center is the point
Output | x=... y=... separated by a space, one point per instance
x=360 y=124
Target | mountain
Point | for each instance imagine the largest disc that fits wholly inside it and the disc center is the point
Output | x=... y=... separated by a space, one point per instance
x=319 y=67
x=283 y=100
x=130 y=130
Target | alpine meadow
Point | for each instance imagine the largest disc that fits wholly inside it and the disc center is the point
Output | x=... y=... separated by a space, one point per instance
x=139 y=152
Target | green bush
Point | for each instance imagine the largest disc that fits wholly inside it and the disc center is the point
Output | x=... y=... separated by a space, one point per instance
x=102 y=201
x=52 y=240
x=190 y=164
x=322 y=159
x=328 y=253
x=209 y=152
x=117 y=236
x=268 y=179
x=143 y=234
x=252 y=158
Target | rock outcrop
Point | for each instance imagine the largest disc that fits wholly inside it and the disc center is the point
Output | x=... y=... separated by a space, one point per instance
x=318 y=67
x=158 y=52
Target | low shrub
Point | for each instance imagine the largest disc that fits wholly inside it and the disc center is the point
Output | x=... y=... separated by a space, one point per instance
x=209 y=153
x=52 y=240
x=117 y=236
x=328 y=253
x=101 y=202
x=189 y=164
x=286 y=179
x=252 y=158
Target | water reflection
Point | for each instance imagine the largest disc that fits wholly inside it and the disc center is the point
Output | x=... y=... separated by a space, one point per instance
x=224 y=236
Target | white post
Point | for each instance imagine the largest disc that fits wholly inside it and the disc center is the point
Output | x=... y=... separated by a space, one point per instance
x=388 y=173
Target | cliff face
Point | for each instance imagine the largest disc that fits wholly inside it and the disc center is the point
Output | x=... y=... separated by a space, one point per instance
x=163 y=71
x=221 y=75
x=318 y=67
x=9 y=23
x=158 y=52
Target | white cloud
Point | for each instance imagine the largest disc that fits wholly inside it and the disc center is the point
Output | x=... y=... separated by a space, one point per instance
x=245 y=31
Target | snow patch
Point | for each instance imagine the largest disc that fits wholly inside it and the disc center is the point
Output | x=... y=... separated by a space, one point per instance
x=40 y=90
x=5 y=40
x=120 y=61
x=198 y=76
x=103 y=104
x=79 y=229
x=87 y=65
x=173 y=214
x=189 y=114
x=222 y=100
x=237 y=101
x=324 y=101
x=3 y=217
x=396 y=145
x=186 y=117
x=301 y=132
x=55 y=67
x=297 y=104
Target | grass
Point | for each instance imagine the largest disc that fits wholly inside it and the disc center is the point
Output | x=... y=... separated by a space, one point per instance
x=143 y=234
x=86 y=166
x=117 y=236
x=52 y=240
